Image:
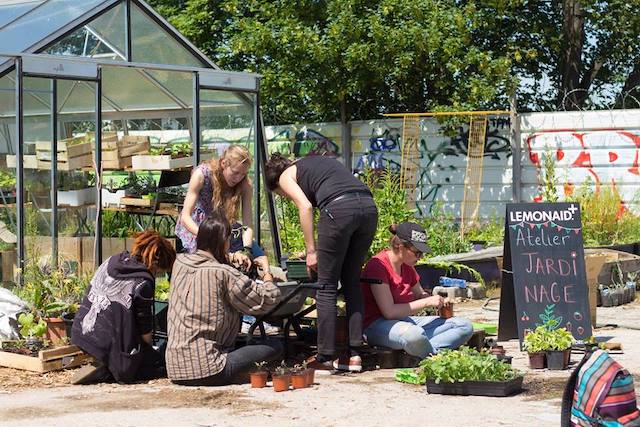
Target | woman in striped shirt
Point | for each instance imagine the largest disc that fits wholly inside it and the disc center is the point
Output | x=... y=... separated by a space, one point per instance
x=208 y=297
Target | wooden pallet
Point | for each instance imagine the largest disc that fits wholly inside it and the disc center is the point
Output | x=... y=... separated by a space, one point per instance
x=160 y=162
x=54 y=359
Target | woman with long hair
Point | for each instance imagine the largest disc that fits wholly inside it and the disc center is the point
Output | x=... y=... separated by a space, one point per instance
x=221 y=184
x=114 y=323
x=392 y=304
x=206 y=300
x=347 y=224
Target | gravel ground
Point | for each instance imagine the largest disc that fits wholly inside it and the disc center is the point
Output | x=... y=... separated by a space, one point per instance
x=371 y=398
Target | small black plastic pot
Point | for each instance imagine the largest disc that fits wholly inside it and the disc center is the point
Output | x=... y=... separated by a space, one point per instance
x=67 y=318
x=556 y=360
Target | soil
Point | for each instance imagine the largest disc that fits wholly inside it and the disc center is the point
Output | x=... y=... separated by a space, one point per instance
x=371 y=398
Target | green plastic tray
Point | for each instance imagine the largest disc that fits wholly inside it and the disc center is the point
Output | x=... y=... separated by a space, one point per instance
x=486 y=327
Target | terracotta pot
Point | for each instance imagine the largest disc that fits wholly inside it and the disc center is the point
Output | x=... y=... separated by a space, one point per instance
x=56 y=331
x=537 y=360
x=299 y=380
x=259 y=379
x=281 y=382
x=446 y=311
x=311 y=374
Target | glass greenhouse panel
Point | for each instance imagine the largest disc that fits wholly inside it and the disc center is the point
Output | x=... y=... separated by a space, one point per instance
x=13 y=10
x=38 y=116
x=152 y=44
x=134 y=89
x=104 y=37
x=8 y=193
x=227 y=118
x=42 y=21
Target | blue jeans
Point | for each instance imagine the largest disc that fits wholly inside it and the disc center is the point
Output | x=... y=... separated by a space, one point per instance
x=419 y=335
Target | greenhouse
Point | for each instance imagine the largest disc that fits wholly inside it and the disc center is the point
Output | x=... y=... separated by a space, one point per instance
x=110 y=83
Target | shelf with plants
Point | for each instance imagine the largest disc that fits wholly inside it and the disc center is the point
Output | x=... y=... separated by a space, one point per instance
x=168 y=156
x=76 y=189
x=140 y=190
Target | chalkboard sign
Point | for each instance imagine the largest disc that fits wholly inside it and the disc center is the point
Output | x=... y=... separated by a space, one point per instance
x=544 y=279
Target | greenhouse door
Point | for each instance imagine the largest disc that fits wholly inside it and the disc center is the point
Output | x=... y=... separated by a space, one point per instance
x=58 y=112
x=228 y=113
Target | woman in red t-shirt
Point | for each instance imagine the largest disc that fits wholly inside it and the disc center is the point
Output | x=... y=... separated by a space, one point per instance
x=390 y=307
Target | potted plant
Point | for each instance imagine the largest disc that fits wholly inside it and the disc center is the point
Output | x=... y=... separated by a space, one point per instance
x=310 y=373
x=298 y=377
x=535 y=345
x=468 y=371
x=558 y=349
x=281 y=378
x=32 y=331
x=259 y=375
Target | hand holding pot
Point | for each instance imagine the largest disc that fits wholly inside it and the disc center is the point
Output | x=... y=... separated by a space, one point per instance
x=312 y=262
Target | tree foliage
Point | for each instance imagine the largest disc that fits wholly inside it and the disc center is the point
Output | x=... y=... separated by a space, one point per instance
x=326 y=60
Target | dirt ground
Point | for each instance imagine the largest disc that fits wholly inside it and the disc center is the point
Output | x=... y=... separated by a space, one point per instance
x=371 y=398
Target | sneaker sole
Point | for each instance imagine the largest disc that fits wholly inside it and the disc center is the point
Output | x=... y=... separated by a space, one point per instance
x=349 y=368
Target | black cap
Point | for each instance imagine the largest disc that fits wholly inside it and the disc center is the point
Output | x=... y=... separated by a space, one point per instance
x=414 y=234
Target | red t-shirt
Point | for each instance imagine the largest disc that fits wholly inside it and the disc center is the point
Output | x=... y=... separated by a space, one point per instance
x=379 y=267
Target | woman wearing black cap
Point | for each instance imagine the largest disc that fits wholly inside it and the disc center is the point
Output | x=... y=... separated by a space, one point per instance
x=347 y=224
x=390 y=306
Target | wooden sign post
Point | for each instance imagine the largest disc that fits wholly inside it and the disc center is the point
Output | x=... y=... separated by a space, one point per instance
x=543 y=279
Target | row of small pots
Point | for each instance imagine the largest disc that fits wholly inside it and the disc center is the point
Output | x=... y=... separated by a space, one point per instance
x=282 y=382
x=554 y=360
x=611 y=297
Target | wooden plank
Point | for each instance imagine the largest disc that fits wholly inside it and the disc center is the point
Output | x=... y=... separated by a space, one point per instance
x=65 y=362
x=121 y=163
x=58 y=352
x=86 y=160
x=20 y=361
x=132 y=148
x=28 y=161
x=132 y=201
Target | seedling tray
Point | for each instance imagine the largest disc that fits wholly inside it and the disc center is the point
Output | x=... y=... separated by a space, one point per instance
x=297 y=271
x=477 y=388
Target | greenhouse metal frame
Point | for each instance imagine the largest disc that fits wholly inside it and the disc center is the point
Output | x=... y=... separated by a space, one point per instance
x=91 y=61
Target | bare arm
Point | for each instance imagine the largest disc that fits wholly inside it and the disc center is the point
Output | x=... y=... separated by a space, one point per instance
x=393 y=311
x=195 y=185
x=247 y=213
x=291 y=188
x=419 y=292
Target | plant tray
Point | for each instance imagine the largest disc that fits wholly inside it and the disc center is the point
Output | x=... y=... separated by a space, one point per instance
x=161 y=162
x=53 y=359
x=297 y=270
x=28 y=161
x=295 y=304
x=134 y=201
x=477 y=388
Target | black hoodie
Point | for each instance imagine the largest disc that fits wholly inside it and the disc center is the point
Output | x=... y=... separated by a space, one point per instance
x=115 y=312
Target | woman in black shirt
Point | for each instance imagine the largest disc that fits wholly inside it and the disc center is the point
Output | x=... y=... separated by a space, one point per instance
x=347 y=224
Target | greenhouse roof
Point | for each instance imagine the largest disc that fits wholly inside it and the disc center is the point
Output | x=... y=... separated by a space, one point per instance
x=95 y=28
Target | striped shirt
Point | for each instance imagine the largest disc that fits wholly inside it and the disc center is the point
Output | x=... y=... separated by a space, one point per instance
x=205 y=305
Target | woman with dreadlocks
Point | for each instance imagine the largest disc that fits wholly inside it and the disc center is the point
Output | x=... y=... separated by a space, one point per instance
x=114 y=324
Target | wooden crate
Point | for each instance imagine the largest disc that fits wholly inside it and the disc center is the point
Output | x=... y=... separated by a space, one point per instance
x=161 y=162
x=29 y=161
x=75 y=163
x=133 y=201
x=55 y=359
x=67 y=149
x=117 y=155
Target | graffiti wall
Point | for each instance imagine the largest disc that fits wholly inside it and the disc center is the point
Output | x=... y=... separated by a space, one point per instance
x=595 y=148
x=376 y=144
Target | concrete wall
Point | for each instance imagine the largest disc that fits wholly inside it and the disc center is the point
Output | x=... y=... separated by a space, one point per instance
x=599 y=147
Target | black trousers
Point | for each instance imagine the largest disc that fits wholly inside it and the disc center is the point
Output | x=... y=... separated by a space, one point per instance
x=239 y=363
x=345 y=232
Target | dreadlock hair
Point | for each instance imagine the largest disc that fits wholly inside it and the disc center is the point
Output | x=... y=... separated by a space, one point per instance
x=153 y=250
x=225 y=197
